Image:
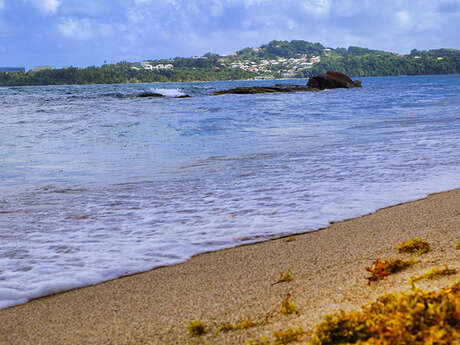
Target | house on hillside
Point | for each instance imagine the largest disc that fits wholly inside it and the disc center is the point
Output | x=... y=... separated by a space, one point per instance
x=146 y=65
x=43 y=68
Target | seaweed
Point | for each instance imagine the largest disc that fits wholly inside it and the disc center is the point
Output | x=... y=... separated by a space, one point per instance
x=287 y=306
x=285 y=277
x=434 y=273
x=227 y=327
x=416 y=317
x=382 y=268
x=289 y=335
x=290 y=239
x=242 y=239
x=414 y=246
x=263 y=341
x=196 y=328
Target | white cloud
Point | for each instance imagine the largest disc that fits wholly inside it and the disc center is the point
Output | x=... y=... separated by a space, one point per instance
x=83 y=29
x=46 y=6
x=404 y=19
x=317 y=8
x=2 y=4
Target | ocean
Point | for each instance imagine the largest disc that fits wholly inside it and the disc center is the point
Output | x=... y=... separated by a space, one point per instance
x=96 y=183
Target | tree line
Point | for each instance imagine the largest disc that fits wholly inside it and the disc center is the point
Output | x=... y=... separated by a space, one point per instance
x=354 y=61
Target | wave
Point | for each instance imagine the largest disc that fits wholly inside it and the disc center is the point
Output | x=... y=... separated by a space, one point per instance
x=168 y=92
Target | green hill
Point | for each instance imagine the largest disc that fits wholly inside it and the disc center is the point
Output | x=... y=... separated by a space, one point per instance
x=277 y=59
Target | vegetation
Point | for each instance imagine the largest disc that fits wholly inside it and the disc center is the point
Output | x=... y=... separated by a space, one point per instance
x=354 y=61
x=434 y=273
x=415 y=246
x=415 y=317
x=227 y=327
x=285 y=277
x=382 y=268
x=287 y=306
x=290 y=239
x=196 y=328
x=289 y=335
x=263 y=341
x=119 y=73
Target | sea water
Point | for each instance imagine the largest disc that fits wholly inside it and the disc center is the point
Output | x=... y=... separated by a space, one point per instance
x=96 y=183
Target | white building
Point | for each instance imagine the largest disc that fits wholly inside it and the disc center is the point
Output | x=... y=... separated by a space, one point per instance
x=146 y=65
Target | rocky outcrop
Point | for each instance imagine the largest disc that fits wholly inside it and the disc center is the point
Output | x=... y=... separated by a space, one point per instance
x=332 y=80
x=150 y=94
x=329 y=80
x=266 y=89
x=158 y=95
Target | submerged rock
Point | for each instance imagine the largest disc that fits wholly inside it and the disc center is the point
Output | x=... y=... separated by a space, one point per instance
x=332 y=80
x=158 y=95
x=265 y=89
x=150 y=94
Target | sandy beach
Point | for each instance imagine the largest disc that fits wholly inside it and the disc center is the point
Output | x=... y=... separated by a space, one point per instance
x=233 y=285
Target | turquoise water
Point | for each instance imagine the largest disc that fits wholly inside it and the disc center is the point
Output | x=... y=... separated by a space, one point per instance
x=96 y=183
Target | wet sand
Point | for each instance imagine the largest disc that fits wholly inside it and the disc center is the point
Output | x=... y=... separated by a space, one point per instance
x=232 y=285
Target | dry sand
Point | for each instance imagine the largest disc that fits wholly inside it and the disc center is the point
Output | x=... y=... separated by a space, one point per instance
x=236 y=284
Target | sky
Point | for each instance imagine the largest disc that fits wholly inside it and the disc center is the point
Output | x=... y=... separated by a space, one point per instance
x=63 y=33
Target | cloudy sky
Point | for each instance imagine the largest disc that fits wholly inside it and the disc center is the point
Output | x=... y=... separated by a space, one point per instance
x=89 y=32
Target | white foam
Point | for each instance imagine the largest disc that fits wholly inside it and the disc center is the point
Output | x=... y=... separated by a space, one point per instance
x=271 y=170
x=168 y=92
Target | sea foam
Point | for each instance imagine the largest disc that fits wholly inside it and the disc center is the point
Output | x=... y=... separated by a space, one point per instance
x=94 y=188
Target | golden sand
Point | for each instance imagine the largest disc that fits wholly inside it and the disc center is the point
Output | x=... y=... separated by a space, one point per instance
x=234 y=285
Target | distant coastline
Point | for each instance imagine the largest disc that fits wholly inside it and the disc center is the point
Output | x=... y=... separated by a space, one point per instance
x=273 y=61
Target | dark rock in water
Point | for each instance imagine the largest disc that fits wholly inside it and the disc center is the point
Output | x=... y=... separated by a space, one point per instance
x=329 y=80
x=158 y=95
x=265 y=89
x=150 y=94
x=332 y=80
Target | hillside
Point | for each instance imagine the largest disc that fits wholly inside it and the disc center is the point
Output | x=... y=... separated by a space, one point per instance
x=277 y=59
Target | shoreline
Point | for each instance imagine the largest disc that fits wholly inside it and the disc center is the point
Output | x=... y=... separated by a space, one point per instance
x=224 y=80
x=235 y=284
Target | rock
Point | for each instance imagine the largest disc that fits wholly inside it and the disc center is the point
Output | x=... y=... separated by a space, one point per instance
x=329 y=80
x=158 y=95
x=150 y=94
x=265 y=89
x=332 y=80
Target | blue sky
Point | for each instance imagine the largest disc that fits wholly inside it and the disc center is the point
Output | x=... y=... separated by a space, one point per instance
x=89 y=32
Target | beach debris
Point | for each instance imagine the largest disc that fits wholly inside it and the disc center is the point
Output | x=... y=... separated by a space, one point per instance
x=263 y=341
x=458 y=245
x=227 y=327
x=287 y=306
x=242 y=239
x=416 y=317
x=196 y=328
x=414 y=246
x=285 y=277
x=290 y=239
x=435 y=272
x=382 y=268
x=289 y=335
